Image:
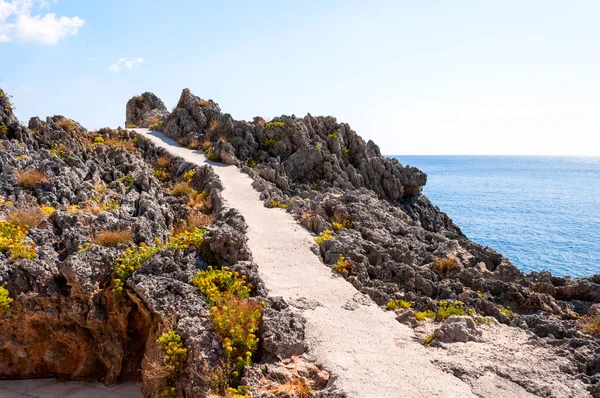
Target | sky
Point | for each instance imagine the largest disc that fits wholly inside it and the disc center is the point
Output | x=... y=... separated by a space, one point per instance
x=417 y=77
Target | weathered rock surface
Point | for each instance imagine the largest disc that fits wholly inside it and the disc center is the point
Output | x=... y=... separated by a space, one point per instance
x=144 y=110
x=390 y=233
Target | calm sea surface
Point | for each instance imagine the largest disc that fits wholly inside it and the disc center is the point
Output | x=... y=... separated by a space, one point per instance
x=541 y=212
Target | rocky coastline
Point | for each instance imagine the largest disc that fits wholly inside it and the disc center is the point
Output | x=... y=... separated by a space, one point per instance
x=79 y=208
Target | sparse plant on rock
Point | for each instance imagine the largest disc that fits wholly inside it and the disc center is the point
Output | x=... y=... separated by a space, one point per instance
x=12 y=241
x=395 y=304
x=428 y=339
x=29 y=179
x=181 y=189
x=173 y=350
x=275 y=203
x=131 y=260
x=272 y=125
x=234 y=315
x=5 y=300
x=185 y=239
x=340 y=221
x=47 y=210
x=27 y=217
x=325 y=235
x=506 y=311
x=590 y=325
x=443 y=266
x=343 y=265
x=421 y=315
x=112 y=238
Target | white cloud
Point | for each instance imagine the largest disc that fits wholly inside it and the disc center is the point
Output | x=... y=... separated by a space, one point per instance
x=126 y=63
x=18 y=24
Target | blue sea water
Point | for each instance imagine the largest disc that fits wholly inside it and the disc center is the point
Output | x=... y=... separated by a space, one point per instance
x=540 y=212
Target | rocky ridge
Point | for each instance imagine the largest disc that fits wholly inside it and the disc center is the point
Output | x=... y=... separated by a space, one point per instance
x=63 y=314
x=391 y=243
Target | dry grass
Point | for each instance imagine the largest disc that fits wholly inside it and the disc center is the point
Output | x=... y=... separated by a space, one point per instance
x=181 y=189
x=193 y=221
x=26 y=216
x=182 y=141
x=443 y=266
x=195 y=144
x=200 y=200
x=295 y=386
x=206 y=144
x=112 y=238
x=29 y=179
x=213 y=124
x=117 y=143
x=591 y=325
x=204 y=103
x=163 y=162
x=66 y=124
x=92 y=208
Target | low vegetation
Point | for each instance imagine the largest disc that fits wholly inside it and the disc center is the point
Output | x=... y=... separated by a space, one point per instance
x=131 y=260
x=181 y=189
x=234 y=314
x=12 y=241
x=5 y=300
x=27 y=217
x=278 y=204
x=112 y=238
x=325 y=235
x=174 y=353
x=272 y=125
x=343 y=266
x=443 y=266
x=395 y=304
x=29 y=179
x=591 y=325
x=340 y=221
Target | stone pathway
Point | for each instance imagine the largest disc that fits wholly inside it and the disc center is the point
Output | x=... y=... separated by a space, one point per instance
x=53 y=388
x=369 y=353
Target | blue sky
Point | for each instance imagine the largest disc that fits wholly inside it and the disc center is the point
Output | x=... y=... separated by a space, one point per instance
x=427 y=77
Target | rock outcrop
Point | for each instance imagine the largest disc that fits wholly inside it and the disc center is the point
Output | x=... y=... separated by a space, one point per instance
x=145 y=110
x=393 y=242
x=65 y=313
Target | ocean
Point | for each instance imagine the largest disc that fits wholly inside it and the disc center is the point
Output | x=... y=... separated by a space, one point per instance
x=543 y=213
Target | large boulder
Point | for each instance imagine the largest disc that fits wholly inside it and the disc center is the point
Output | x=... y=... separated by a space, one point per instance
x=145 y=110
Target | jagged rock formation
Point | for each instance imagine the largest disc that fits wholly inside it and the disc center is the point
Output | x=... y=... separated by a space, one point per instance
x=66 y=318
x=311 y=150
x=145 y=110
x=390 y=234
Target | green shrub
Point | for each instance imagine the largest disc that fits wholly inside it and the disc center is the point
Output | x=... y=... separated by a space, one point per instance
x=278 y=204
x=98 y=140
x=132 y=259
x=234 y=315
x=185 y=239
x=167 y=392
x=428 y=339
x=333 y=136
x=342 y=221
x=188 y=176
x=343 y=266
x=5 y=300
x=251 y=163
x=11 y=241
x=128 y=180
x=447 y=309
x=346 y=151
x=395 y=304
x=173 y=350
x=421 y=315
x=506 y=311
x=325 y=235
x=272 y=125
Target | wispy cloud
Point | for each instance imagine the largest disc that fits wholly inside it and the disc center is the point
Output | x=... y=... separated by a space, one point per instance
x=125 y=63
x=17 y=23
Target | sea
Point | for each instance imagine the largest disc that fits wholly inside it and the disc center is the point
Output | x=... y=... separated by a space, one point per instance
x=543 y=213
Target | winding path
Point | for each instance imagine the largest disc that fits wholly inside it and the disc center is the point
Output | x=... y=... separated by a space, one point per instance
x=363 y=346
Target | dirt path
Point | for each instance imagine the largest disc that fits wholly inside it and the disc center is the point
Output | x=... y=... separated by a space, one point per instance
x=370 y=353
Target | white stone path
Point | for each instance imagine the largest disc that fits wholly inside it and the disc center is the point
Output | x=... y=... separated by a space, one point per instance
x=53 y=388
x=365 y=348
